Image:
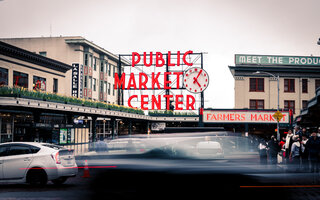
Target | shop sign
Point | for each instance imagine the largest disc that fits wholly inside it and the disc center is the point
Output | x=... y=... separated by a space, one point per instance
x=242 y=116
x=245 y=59
x=81 y=81
x=75 y=80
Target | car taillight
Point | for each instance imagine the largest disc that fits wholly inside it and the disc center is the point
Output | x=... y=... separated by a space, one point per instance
x=220 y=150
x=57 y=158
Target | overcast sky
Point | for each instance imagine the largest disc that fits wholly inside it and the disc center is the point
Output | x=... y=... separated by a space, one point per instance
x=220 y=27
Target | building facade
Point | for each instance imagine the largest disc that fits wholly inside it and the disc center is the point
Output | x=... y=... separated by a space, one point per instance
x=24 y=69
x=256 y=81
x=97 y=66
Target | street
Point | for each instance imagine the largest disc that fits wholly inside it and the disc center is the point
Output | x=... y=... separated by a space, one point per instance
x=238 y=175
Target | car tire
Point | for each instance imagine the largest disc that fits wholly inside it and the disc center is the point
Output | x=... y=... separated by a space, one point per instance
x=37 y=177
x=59 y=181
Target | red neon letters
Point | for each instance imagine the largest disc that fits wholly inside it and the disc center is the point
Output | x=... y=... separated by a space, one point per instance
x=160 y=59
x=153 y=81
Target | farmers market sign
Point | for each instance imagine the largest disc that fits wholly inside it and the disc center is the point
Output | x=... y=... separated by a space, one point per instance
x=245 y=59
x=242 y=116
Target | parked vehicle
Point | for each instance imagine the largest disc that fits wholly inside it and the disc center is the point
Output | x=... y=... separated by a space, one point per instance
x=36 y=163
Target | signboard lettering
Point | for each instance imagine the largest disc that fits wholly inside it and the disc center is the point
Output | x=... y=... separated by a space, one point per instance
x=235 y=116
x=75 y=80
x=243 y=59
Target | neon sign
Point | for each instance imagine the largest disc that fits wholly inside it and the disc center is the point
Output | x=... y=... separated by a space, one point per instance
x=194 y=80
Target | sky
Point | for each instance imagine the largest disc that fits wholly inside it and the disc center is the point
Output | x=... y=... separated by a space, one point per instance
x=221 y=28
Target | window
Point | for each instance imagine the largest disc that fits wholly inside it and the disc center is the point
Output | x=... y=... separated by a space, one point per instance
x=289 y=104
x=95 y=64
x=256 y=84
x=114 y=70
x=20 y=79
x=43 y=53
x=317 y=83
x=289 y=85
x=90 y=82
x=101 y=66
x=109 y=87
x=34 y=149
x=90 y=61
x=85 y=81
x=39 y=83
x=94 y=84
x=19 y=150
x=3 y=150
x=109 y=70
x=304 y=104
x=304 y=85
x=85 y=59
x=113 y=90
x=101 y=86
x=256 y=104
x=3 y=76
x=55 y=85
x=105 y=87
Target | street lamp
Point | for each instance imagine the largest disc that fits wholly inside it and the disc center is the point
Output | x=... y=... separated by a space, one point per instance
x=276 y=77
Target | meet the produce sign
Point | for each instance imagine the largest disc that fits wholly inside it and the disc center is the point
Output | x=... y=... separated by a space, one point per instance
x=245 y=59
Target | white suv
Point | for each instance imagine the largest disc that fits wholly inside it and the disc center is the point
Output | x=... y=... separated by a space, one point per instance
x=36 y=163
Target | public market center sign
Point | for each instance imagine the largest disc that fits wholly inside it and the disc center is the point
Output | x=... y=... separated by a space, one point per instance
x=245 y=59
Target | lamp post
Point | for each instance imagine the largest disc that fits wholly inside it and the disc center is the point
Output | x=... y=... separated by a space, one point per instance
x=276 y=77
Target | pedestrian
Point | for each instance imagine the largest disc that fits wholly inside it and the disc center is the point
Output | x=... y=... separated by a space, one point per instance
x=101 y=145
x=295 y=153
x=297 y=130
x=304 y=132
x=263 y=152
x=273 y=150
x=288 y=145
x=304 y=154
x=313 y=145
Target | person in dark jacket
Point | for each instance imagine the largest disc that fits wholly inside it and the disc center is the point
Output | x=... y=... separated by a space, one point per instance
x=263 y=152
x=273 y=149
x=313 y=147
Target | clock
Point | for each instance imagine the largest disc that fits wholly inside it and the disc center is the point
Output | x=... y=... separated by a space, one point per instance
x=196 y=80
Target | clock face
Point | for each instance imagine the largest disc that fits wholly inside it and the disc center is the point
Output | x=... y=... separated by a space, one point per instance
x=196 y=80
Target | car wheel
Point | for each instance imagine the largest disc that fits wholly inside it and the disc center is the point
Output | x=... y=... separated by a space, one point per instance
x=59 y=181
x=37 y=177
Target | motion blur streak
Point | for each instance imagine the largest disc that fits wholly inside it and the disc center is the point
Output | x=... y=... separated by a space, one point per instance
x=92 y=167
x=279 y=186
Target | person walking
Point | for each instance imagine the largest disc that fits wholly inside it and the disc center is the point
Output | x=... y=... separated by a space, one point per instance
x=273 y=150
x=288 y=145
x=263 y=152
x=313 y=147
x=295 y=153
x=304 y=154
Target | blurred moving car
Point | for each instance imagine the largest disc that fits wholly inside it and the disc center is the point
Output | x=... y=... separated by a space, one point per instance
x=36 y=163
x=209 y=149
